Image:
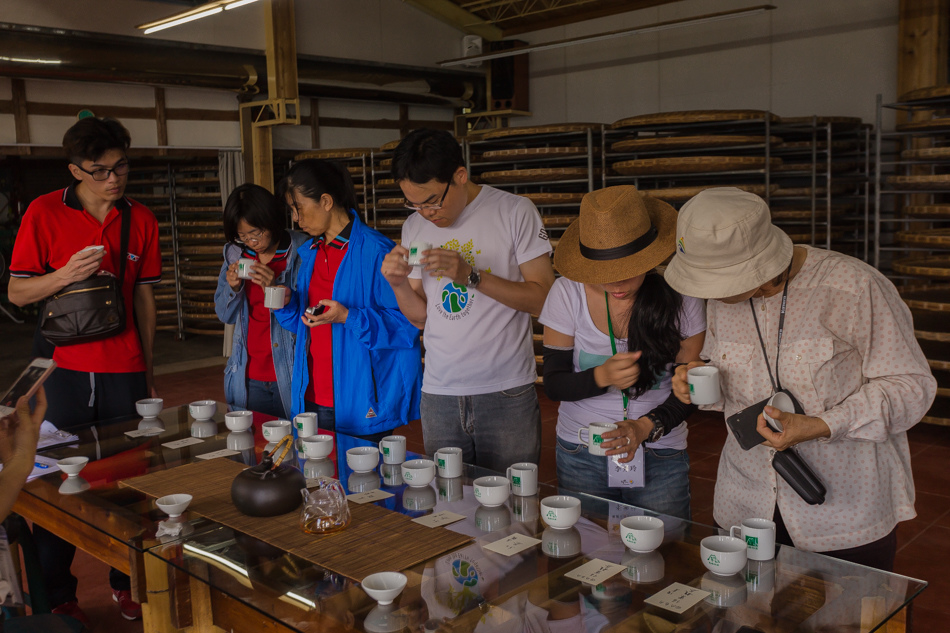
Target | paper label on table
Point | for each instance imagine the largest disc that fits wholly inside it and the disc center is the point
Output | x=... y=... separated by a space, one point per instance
x=595 y=572
x=627 y=475
x=144 y=432
x=224 y=452
x=188 y=441
x=51 y=436
x=677 y=598
x=41 y=466
x=511 y=545
x=369 y=496
x=439 y=519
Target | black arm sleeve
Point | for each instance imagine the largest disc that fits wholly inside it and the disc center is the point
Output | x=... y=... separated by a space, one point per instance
x=561 y=382
x=671 y=412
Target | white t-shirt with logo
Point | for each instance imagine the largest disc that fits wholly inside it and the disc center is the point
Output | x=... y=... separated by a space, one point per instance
x=566 y=311
x=474 y=344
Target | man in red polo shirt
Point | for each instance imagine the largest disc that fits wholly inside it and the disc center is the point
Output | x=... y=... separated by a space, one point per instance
x=100 y=380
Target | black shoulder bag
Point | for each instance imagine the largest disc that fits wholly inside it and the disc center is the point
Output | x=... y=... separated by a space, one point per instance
x=89 y=310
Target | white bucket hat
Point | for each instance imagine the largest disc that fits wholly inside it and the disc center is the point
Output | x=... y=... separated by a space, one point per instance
x=726 y=245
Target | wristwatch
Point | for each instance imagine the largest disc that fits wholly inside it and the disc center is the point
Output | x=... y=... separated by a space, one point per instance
x=474 y=278
x=657 y=431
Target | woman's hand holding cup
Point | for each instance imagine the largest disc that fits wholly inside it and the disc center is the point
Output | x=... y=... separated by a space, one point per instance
x=232 y=277
x=627 y=437
x=620 y=371
x=681 y=381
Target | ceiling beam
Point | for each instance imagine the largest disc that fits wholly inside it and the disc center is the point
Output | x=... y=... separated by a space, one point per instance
x=584 y=15
x=453 y=15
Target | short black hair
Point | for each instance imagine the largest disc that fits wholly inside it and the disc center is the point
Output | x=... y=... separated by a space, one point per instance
x=426 y=154
x=256 y=206
x=313 y=177
x=90 y=138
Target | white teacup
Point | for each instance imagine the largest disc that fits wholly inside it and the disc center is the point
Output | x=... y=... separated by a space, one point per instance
x=782 y=402
x=238 y=420
x=641 y=533
x=704 y=385
x=449 y=461
x=524 y=479
x=203 y=409
x=595 y=440
x=418 y=472
x=759 y=535
x=393 y=449
x=560 y=511
x=723 y=555
x=415 y=252
x=362 y=459
x=149 y=407
x=306 y=424
x=274 y=297
x=318 y=446
x=244 y=268
x=275 y=430
x=392 y=474
x=492 y=490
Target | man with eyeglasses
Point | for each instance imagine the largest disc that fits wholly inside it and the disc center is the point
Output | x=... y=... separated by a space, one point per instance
x=473 y=295
x=99 y=380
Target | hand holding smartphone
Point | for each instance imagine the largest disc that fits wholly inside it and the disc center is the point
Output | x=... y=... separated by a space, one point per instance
x=27 y=384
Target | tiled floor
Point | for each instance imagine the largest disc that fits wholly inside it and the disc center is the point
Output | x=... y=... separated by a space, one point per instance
x=924 y=543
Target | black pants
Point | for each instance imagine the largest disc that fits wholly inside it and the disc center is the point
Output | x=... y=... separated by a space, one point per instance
x=76 y=398
x=878 y=554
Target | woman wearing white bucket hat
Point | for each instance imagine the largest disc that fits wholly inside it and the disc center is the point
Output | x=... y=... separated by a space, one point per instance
x=834 y=333
x=612 y=329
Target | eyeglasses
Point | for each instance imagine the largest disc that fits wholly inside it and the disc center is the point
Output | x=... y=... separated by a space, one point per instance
x=430 y=207
x=253 y=236
x=103 y=174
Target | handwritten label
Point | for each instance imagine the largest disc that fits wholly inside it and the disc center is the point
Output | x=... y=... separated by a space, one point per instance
x=677 y=598
x=628 y=475
x=439 y=519
x=188 y=441
x=595 y=572
x=224 y=452
x=511 y=545
x=144 y=432
x=369 y=496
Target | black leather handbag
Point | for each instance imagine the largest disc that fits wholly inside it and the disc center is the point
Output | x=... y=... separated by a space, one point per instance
x=89 y=310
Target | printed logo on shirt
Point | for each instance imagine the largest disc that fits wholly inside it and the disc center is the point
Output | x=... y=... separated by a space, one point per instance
x=543 y=234
x=681 y=245
x=371 y=414
x=133 y=257
x=465 y=573
x=455 y=302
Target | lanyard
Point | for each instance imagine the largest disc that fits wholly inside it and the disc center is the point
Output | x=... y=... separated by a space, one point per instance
x=776 y=381
x=613 y=348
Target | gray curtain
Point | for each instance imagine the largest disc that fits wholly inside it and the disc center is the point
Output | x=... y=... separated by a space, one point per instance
x=230 y=175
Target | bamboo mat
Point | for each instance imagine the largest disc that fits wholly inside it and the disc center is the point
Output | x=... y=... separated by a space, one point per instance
x=689 y=142
x=921 y=94
x=377 y=539
x=692 y=164
x=693 y=116
x=930 y=181
x=926 y=153
x=928 y=210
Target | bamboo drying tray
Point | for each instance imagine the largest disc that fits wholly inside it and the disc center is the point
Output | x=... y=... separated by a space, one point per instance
x=822 y=145
x=934 y=298
x=330 y=154
x=934 y=266
x=531 y=152
x=563 y=128
x=926 y=181
x=929 y=125
x=554 y=198
x=848 y=121
x=390 y=146
x=837 y=166
x=927 y=237
x=926 y=153
x=377 y=539
x=792 y=192
x=390 y=203
x=675 y=194
x=557 y=221
x=532 y=175
x=922 y=94
x=931 y=325
x=692 y=164
x=928 y=210
x=689 y=142
x=693 y=116
x=805 y=214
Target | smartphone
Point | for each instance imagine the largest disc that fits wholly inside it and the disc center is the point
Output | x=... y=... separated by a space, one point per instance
x=27 y=384
x=743 y=424
x=316 y=310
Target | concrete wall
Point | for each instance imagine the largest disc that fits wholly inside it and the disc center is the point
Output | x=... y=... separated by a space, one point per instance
x=806 y=57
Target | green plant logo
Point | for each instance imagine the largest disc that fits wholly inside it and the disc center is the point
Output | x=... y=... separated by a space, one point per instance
x=631 y=538
x=713 y=560
x=752 y=542
x=598 y=439
x=551 y=515
x=515 y=480
x=478 y=492
x=385 y=450
x=407 y=475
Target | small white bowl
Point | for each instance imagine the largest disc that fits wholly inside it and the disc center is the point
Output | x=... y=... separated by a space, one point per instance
x=362 y=459
x=318 y=446
x=384 y=586
x=202 y=409
x=560 y=511
x=641 y=533
x=173 y=505
x=149 y=407
x=238 y=420
x=72 y=465
x=418 y=472
x=723 y=555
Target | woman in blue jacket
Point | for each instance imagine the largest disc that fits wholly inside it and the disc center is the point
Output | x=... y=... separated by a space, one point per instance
x=257 y=376
x=357 y=361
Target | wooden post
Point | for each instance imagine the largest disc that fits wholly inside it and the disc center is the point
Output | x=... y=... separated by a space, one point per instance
x=161 y=121
x=922 y=59
x=403 y=120
x=314 y=124
x=21 y=122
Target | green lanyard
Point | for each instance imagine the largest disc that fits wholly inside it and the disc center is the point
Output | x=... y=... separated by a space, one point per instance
x=613 y=348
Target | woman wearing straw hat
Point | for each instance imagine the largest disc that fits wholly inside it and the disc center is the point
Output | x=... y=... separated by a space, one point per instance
x=612 y=330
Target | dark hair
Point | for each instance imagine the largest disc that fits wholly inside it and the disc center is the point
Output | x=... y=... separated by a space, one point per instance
x=654 y=329
x=256 y=206
x=427 y=154
x=313 y=177
x=90 y=138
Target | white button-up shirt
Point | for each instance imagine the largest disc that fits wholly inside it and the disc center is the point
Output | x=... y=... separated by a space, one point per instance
x=850 y=358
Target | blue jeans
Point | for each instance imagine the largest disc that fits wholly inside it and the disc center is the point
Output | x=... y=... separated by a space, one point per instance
x=666 y=488
x=264 y=397
x=494 y=430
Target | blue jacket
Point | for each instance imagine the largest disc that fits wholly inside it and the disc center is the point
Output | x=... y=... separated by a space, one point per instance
x=377 y=358
x=231 y=307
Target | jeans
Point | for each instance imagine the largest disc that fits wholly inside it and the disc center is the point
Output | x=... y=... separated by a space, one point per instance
x=326 y=420
x=264 y=397
x=494 y=430
x=666 y=478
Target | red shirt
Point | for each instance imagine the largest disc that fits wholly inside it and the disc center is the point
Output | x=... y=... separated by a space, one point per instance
x=53 y=229
x=260 y=357
x=320 y=353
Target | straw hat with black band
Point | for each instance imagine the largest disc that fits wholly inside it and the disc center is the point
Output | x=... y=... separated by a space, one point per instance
x=619 y=234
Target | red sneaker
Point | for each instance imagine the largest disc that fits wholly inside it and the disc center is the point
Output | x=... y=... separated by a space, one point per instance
x=129 y=609
x=72 y=610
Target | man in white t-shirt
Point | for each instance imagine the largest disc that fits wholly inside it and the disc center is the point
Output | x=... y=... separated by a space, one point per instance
x=489 y=268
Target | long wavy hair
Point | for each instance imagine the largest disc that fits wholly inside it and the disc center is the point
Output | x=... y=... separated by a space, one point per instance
x=654 y=329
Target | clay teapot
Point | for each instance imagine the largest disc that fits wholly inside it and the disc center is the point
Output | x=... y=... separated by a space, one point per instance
x=269 y=489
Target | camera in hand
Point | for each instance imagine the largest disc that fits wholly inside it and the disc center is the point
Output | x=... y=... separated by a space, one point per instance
x=316 y=310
